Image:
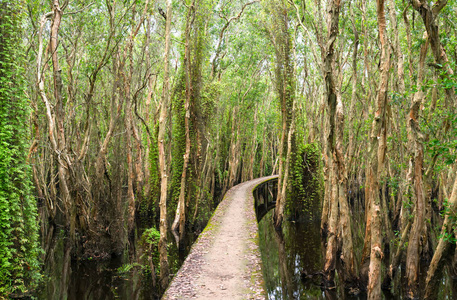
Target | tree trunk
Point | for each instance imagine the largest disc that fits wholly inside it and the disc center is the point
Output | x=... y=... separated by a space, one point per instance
x=378 y=146
x=128 y=121
x=429 y=16
x=437 y=260
x=130 y=127
x=56 y=119
x=352 y=112
x=180 y=217
x=234 y=153
x=337 y=206
x=350 y=272
x=163 y=122
x=417 y=156
x=285 y=85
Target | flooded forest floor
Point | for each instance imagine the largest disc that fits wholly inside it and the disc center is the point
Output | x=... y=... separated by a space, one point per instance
x=291 y=261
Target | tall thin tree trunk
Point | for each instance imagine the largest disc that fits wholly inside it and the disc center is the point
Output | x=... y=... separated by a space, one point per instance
x=180 y=217
x=163 y=122
x=350 y=272
x=378 y=146
x=417 y=160
x=337 y=206
x=397 y=48
x=352 y=112
x=130 y=174
x=284 y=73
x=130 y=127
x=56 y=120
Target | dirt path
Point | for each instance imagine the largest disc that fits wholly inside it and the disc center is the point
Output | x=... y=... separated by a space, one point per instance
x=224 y=263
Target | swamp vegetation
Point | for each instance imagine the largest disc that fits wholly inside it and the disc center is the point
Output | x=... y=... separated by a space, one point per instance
x=119 y=113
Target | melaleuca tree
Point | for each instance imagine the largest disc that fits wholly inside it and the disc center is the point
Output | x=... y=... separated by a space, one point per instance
x=18 y=210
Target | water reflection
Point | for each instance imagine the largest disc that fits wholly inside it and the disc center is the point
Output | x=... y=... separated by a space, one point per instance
x=291 y=259
x=76 y=280
x=119 y=277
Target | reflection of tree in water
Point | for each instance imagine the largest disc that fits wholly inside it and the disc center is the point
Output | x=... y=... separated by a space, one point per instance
x=286 y=254
x=292 y=261
x=90 y=279
x=285 y=269
x=120 y=276
x=66 y=270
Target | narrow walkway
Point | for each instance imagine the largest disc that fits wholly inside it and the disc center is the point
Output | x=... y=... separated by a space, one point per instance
x=224 y=262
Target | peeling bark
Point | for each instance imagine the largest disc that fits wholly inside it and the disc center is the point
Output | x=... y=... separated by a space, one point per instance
x=163 y=122
x=417 y=160
x=377 y=155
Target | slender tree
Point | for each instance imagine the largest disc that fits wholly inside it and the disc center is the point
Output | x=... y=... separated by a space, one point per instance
x=285 y=87
x=161 y=139
x=178 y=225
x=378 y=146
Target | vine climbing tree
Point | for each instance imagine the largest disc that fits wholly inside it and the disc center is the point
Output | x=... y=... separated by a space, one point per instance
x=19 y=245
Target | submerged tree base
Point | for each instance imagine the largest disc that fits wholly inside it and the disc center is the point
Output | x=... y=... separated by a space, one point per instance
x=293 y=262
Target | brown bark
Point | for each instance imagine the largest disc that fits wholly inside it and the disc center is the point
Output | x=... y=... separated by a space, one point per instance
x=283 y=187
x=131 y=175
x=429 y=16
x=130 y=128
x=128 y=122
x=56 y=118
x=147 y=117
x=163 y=122
x=397 y=49
x=377 y=156
x=253 y=149
x=417 y=156
x=286 y=89
x=332 y=229
x=408 y=37
x=326 y=200
x=431 y=280
x=345 y=223
x=337 y=207
x=331 y=101
x=351 y=146
x=234 y=153
x=180 y=216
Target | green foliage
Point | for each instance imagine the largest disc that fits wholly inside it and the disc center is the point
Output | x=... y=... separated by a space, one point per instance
x=443 y=147
x=202 y=97
x=151 y=236
x=150 y=244
x=449 y=233
x=19 y=249
x=305 y=180
x=179 y=139
x=154 y=177
x=126 y=268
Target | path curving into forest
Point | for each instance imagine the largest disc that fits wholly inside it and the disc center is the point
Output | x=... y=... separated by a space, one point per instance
x=224 y=262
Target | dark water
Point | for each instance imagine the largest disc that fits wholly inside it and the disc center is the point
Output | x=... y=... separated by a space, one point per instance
x=115 y=278
x=298 y=249
x=286 y=255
